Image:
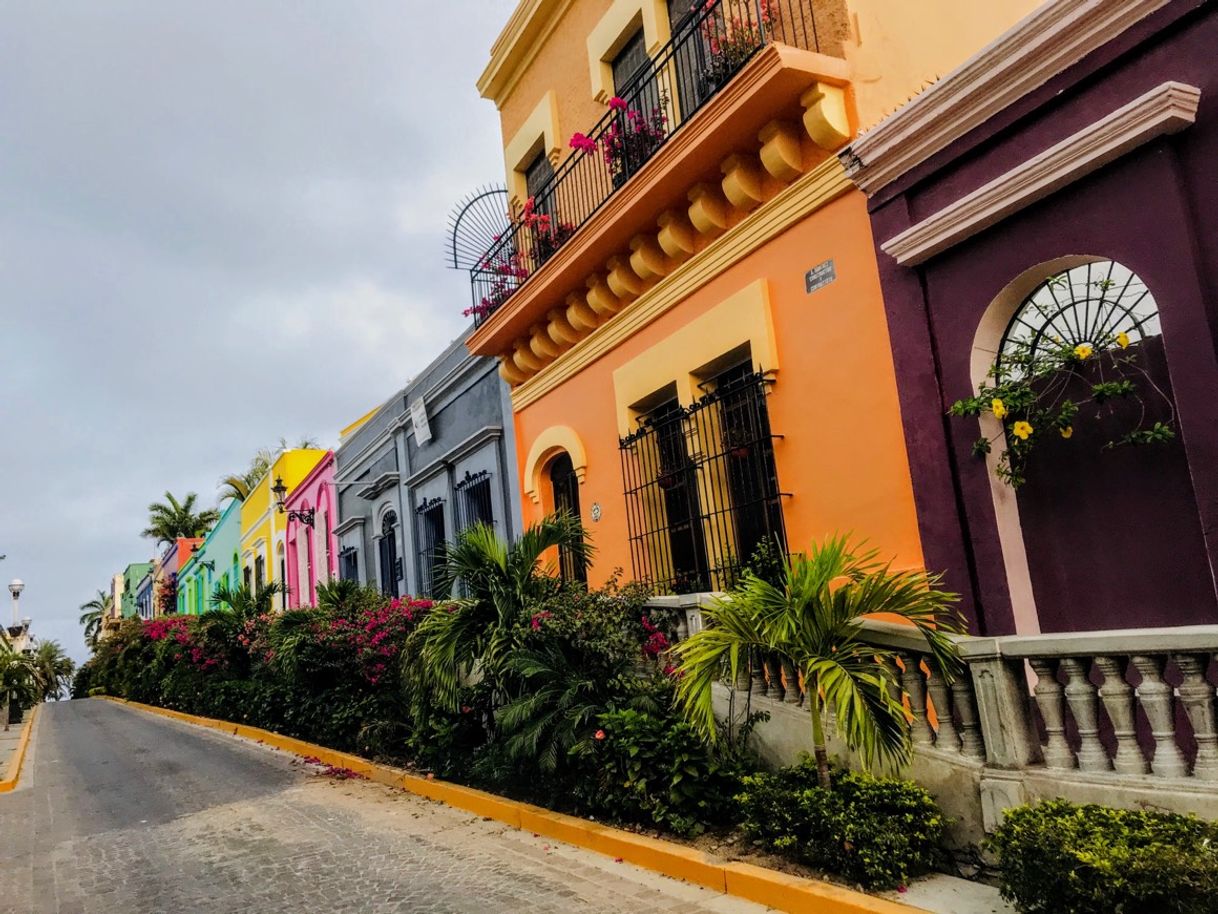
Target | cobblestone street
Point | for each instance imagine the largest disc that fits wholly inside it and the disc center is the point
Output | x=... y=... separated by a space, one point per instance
x=125 y=813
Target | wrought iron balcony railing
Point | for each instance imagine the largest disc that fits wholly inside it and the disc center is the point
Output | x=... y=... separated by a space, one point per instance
x=708 y=47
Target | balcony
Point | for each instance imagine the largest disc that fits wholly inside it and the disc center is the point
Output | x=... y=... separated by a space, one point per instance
x=713 y=44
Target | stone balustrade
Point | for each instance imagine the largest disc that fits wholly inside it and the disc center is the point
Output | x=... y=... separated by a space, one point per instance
x=1122 y=717
x=1128 y=702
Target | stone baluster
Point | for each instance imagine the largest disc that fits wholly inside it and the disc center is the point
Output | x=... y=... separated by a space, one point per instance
x=915 y=687
x=792 y=694
x=971 y=742
x=946 y=738
x=1197 y=696
x=1048 y=694
x=773 y=670
x=757 y=662
x=1155 y=696
x=1117 y=695
x=1080 y=695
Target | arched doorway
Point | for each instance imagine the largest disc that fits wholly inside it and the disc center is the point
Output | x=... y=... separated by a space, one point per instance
x=1096 y=500
x=387 y=554
x=564 y=484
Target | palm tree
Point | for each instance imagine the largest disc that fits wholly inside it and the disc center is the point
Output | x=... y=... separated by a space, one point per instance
x=814 y=617
x=96 y=611
x=243 y=602
x=17 y=683
x=238 y=486
x=502 y=582
x=53 y=670
x=169 y=521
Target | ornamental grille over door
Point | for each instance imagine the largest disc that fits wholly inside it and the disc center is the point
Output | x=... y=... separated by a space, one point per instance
x=1089 y=305
x=701 y=486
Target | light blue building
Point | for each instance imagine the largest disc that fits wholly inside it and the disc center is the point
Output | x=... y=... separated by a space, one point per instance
x=214 y=563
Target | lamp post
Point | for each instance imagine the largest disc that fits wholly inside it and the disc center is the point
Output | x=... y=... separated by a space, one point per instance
x=15 y=588
x=280 y=492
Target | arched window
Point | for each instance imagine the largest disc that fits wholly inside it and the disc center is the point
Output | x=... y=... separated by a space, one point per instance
x=1100 y=304
x=388 y=554
x=1089 y=542
x=565 y=486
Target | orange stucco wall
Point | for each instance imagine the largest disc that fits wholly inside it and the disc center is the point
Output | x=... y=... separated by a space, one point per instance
x=843 y=454
x=561 y=64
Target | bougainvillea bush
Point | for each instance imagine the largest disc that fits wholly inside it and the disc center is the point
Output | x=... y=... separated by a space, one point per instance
x=330 y=673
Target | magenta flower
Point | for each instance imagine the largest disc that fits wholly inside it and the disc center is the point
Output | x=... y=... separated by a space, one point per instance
x=583 y=143
x=617 y=103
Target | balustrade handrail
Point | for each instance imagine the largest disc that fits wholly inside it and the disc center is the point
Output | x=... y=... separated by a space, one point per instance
x=1112 y=642
x=708 y=47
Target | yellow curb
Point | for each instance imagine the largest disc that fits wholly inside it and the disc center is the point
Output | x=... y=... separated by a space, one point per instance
x=14 y=764
x=793 y=894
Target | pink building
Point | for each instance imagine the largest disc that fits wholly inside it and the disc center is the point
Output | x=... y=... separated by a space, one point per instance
x=312 y=547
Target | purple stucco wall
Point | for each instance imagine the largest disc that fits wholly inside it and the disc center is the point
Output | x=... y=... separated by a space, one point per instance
x=1154 y=210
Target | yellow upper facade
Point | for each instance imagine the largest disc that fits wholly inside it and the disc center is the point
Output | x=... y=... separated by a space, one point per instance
x=550 y=73
x=262 y=526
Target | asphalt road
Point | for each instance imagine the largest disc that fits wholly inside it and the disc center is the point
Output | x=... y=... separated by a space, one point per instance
x=123 y=812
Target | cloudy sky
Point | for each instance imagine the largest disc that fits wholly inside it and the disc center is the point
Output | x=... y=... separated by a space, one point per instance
x=220 y=223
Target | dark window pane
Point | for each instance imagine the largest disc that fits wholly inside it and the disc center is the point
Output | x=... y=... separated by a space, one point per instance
x=566 y=500
x=629 y=61
x=537 y=176
x=388 y=555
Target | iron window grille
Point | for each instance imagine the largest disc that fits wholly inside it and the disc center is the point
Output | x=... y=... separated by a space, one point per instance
x=701 y=486
x=709 y=45
x=474 y=500
x=1088 y=304
x=430 y=519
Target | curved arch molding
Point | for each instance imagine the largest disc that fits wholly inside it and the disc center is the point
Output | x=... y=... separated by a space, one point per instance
x=553 y=440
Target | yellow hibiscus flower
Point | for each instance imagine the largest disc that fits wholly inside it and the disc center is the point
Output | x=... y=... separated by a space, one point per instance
x=1123 y=339
x=1067 y=431
x=999 y=408
x=1083 y=350
x=1022 y=430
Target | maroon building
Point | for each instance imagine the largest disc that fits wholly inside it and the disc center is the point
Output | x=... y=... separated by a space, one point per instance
x=1060 y=190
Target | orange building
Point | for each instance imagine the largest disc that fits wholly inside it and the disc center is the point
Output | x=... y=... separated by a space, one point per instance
x=687 y=306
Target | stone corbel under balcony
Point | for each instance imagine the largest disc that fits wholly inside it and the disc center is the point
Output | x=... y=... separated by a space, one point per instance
x=783 y=114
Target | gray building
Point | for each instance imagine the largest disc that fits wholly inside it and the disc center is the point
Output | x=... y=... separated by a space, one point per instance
x=436 y=458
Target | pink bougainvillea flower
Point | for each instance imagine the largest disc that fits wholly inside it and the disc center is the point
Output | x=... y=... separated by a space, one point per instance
x=617 y=103
x=583 y=143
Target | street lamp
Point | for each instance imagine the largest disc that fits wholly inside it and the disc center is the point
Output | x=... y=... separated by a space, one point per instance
x=280 y=491
x=15 y=588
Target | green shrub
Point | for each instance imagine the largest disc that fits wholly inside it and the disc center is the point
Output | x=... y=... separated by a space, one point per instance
x=655 y=769
x=1061 y=857
x=879 y=832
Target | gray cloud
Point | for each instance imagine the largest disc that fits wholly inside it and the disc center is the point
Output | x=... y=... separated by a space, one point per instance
x=219 y=223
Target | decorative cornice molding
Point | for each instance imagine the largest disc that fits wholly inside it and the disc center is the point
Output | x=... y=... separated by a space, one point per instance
x=1167 y=108
x=349 y=524
x=457 y=452
x=530 y=24
x=1054 y=37
x=817 y=188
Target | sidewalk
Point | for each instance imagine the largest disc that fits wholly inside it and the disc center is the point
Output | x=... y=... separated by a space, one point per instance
x=13 y=744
